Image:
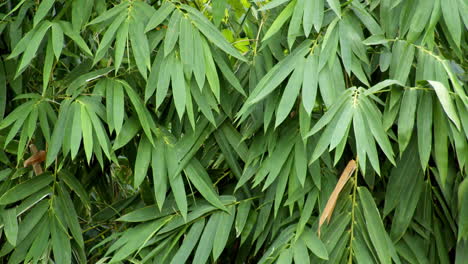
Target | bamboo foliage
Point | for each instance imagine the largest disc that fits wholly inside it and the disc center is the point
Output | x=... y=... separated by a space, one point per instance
x=139 y=131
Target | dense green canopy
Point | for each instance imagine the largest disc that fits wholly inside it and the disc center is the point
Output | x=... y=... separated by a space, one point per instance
x=233 y=131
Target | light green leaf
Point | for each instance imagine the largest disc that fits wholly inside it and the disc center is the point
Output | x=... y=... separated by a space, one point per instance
x=160 y=15
x=11 y=225
x=172 y=33
x=189 y=242
x=290 y=93
x=140 y=46
x=446 y=102
x=211 y=32
x=376 y=230
x=335 y=6
x=142 y=161
x=118 y=106
x=42 y=11
x=406 y=118
x=280 y=20
x=25 y=189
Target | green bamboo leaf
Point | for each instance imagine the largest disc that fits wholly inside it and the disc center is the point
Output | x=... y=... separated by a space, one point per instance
x=211 y=32
x=11 y=225
x=75 y=137
x=25 y=189
x=71 y=216
x=374 y=119
x=68 y=30
x=140 y=46
x=172 y=33
x=280 y=20
x=42 y=11
x=198 y=59
x=315 y=244
x=446 y=102
x=424 y=126
x=211 y=73
x=87 y=129
x=301 y=256
x=164 y=76
x=344 y=122
x=108 y=37
x=335 y=6
x=308 y=17
x=108 y=14
x=20 y=112
x=120 y=43
x=275 y=76
x=376 y=230
x=227 y=72
x=158 y=164
x=286 y=256
x=142 y=161
x=201 y=181
x=406 y=118
x=57 y=39
x=160 y=15
x=290 y=93
x=186 y=45
x=331 y=113
x=305 y=216
x=452 y=20
x=178 y=87
x=222 y=232
x=140 y=109
x=300 y=160
x=118 y=106
x=60 y=242
x=272 y=4
x=33 y=45
x=101 y=135
x=206 y=240
x=189 y=242
x=129 y=130
x=75 y=186
x=309 y=83
x=58 y=133
x=441 y=143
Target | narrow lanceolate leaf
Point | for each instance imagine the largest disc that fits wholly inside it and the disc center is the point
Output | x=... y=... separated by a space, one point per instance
x=309 y=84
x=424 y=126
x=212 y=33
x=34 y=43
x=172 y=33
x=446 y=102
x=335 y=6
x=118 y=106
x=139 y=46
x=330 y=206
x=290 y=93
x=42 y=10
x=160 y=15
x=11 y=225
x=406 y=118
x=142 y=162
x=26 y=188
x=178 y=87
x=376 y=230
x=452 y=19
x=140 y=109
x=87 y=129
x=189 y=242
x=280 y=20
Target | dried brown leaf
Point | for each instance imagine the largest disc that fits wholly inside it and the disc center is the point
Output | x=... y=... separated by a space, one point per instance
x=330 y=206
